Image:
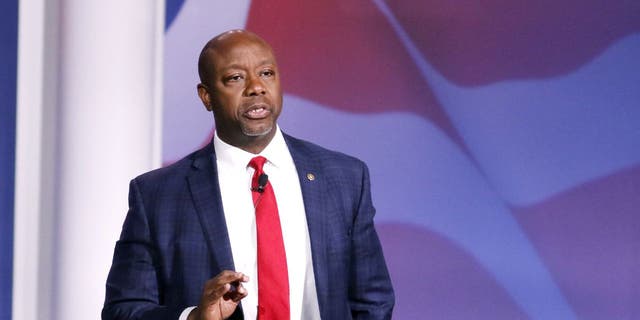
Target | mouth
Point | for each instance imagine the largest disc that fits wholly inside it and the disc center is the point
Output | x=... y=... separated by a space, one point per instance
x=257 y=112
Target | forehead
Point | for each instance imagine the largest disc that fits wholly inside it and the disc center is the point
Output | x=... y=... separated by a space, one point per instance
x=240 y=53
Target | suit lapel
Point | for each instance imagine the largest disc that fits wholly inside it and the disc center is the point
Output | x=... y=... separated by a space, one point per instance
x=313 y=191
x=205 y=190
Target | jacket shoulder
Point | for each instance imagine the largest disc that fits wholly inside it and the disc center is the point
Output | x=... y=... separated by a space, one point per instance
x=174 y=171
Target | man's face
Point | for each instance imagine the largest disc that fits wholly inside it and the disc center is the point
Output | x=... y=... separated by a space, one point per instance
x=243 y=91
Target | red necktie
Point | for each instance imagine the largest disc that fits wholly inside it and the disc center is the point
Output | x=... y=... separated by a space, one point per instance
x=273 y=280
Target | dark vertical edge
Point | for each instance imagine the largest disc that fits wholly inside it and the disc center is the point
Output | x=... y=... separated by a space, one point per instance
x=8 y=92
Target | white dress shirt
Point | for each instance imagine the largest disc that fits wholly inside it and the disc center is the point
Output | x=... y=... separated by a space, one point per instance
x=234 y=176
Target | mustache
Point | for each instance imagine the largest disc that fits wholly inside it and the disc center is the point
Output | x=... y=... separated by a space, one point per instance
x=262 y=103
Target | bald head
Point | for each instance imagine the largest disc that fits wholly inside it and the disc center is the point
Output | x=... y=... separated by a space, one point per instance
x=240 y=84
x=222 y=43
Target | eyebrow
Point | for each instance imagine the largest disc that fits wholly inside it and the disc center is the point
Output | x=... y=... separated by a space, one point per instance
x=238 y=66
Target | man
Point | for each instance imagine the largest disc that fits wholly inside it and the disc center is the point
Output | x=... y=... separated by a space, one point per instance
x=195 y=245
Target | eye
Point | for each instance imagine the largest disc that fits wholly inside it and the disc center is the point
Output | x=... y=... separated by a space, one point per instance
x=267 y=73
x=236 y=77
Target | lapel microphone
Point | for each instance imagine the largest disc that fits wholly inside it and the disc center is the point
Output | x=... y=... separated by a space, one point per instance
x=262 y=182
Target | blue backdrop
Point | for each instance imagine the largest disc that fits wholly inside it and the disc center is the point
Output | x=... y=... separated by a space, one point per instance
x=8 y=58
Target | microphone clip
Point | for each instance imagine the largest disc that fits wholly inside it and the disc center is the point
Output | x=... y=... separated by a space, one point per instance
x=263 y=179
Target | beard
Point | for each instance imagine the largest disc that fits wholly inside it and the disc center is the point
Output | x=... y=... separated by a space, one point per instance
x=257 y=132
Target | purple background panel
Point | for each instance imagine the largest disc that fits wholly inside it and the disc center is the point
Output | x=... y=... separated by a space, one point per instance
x=590 y=239
x=436 y=279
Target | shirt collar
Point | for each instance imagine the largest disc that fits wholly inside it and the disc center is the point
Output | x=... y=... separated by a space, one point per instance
x=276 y=152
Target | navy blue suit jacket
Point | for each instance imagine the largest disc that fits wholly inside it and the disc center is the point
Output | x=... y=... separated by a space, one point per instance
x=175 y=238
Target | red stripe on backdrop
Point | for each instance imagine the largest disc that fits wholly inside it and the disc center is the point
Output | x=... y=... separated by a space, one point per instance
x=345 y=55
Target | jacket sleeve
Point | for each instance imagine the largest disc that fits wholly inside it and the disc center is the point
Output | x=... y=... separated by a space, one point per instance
x=370 y=291
x=133 y=290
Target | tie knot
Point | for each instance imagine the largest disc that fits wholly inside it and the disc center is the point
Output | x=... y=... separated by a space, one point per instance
x=257 y=163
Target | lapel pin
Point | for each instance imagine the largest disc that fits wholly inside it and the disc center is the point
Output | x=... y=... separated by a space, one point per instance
x=311 y=176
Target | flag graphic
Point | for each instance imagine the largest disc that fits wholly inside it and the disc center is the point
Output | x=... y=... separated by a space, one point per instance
x=503 y=139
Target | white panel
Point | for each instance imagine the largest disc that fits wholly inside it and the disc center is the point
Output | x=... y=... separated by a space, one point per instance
x=89 y=99
x=89 y=91
x=108 y=108
x=28 y=155
x=35 y=154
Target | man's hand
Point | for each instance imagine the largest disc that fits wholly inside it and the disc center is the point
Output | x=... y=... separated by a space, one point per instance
x=220 y=296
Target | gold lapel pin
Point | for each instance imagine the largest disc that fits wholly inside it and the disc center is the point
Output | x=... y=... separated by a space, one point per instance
x=311 y=176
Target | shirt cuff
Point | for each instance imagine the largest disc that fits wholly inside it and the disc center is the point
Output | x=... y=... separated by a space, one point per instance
x=185 y=313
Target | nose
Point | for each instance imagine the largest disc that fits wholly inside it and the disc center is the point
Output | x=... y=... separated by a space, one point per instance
x=255 y=86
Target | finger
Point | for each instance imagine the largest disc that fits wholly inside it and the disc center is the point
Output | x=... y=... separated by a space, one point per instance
x=213 y=285
x=236 y=295
x=215 y=290
x=228 y=276
x=241 y=294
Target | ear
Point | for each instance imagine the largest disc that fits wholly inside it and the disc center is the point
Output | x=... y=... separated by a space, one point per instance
x=205 y=96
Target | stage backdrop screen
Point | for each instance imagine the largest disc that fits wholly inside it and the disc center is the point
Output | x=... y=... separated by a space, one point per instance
x=503 y=138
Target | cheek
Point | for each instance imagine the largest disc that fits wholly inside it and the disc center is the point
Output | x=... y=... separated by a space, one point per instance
x=277 y=88
x=276 y=91
x=228 y=105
